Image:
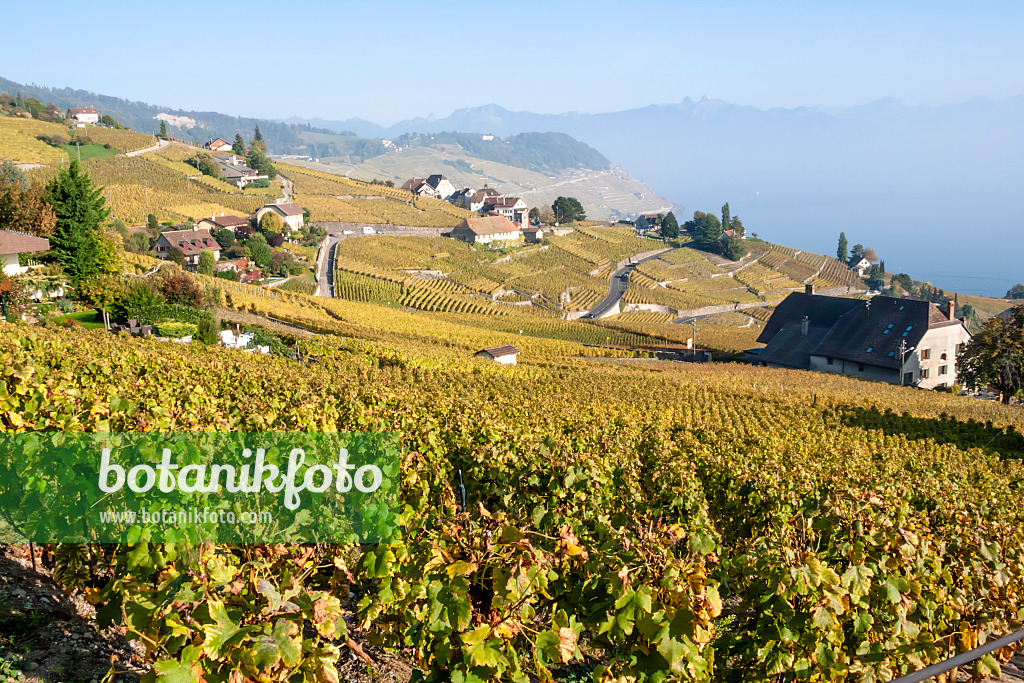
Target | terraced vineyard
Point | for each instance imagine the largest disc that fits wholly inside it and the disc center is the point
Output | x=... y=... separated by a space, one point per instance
x=702 y=523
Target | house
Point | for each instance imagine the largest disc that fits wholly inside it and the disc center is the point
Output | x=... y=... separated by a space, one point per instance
x=506 y=355
x=860 y=266
x=533 y=233
x=443 y=187
x=291 y=214
x=218 y=145
x=512 y=208
x=238 y=265
x=899 y=341
x=419 y=186
x=726 y=234
x=223 y=222
x=461 y=196
x=233 y=171
x=191 y=243
x=84 y=114
x=486 y=229
x=476 y=201
x=13 y=243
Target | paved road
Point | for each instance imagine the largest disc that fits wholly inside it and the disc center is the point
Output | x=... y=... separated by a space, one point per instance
x=617 y=287
x=325 y=269
x=159 y=145
x=286 y=187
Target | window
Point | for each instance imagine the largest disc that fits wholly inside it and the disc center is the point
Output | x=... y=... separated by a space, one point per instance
x=960 y=347
x=908 y=378
x=891 y=354
x=870 y=349
x=860 y=367
x=926 y=354
x=830 y=361
x=909 y=328
x=942 y=357
x=943 y=369
x=924 y=373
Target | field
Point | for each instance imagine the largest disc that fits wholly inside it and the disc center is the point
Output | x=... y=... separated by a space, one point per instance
x=723 y=522
x=19 y=145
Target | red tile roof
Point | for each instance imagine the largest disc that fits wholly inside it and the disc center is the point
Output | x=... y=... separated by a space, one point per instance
x=12 y=242
x=227 y=221
x=489 y=225
x=190 y=242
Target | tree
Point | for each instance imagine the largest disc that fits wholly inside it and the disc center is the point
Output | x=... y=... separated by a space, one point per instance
x=736 y=225
x=207 y=261
x=1015 y=292
x=176 y=255
x=225 y=238
x=568 y=210
x=259 y=250
x=870 y=254
x=208 y=331
x=705 y=230
x=275 y=239
x=876 y=278
x=257 y=143
x=24 y=210
x=256 y=159
x=79 y=211
x=271 y=224
x=534 y=215
x=726 y=218
x=995 y=356
x=857 y=254
x=152 y=223
x=735 y=248
x=670 y=226
x=841 y=252
x=238 y=147
x=163 y=129
x=181 y=289
x=139 y=242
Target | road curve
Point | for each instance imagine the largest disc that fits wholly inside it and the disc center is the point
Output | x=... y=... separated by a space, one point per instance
x=325 y=267
x=617 y=286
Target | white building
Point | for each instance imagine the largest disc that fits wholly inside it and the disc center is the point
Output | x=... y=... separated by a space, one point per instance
x=291 y=214
x=506 y=355
x=84 y=114
x=13 y=243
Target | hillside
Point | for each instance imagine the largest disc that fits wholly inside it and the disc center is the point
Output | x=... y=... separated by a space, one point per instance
x=667 y=509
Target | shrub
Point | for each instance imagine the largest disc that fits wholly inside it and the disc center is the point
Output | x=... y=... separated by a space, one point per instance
x=65 y=305
x=207 y=331
x=262 y=182
x=176 y=330
x=181 y=289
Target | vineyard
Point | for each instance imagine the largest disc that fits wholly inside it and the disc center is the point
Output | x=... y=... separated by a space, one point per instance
x=693 y=523
x=19 y=145
x=332 y=197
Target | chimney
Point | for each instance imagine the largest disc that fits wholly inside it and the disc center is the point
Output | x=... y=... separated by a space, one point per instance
x=950 y=309
x=808 y=288
x=803 y=326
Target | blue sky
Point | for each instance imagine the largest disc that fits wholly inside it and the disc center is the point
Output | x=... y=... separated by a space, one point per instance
x=394 y=60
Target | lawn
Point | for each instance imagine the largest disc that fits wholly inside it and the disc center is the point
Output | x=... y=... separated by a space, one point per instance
x=90 y=320
x=88 y=152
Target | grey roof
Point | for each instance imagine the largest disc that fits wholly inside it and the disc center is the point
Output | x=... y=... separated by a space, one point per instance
x=14 y=242
x=821 y=310
x=790 y=349
x=870 y=332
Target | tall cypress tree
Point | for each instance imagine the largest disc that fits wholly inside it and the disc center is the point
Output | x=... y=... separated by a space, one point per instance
x=726 y=217
x=841 y=252
x=79 y=208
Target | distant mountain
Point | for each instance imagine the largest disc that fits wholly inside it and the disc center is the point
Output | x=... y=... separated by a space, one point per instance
x=934 y=189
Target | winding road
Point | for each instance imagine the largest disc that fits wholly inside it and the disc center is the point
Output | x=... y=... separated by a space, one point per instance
x=617 y=286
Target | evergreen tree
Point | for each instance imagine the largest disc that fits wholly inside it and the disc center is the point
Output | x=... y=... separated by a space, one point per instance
x=257 y=143
x=238 y=147
x=670 y=226
x=841 y=252
x=80 y=211
x=152 y=223
x=726 y=218
x=163 y=129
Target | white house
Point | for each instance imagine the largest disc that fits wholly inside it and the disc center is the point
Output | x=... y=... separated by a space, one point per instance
x=13 y=243
x=512 y=208
x=218 y=145
x=860 y=266
x=84 y=114
x=291 y=213
x=506 y=355
x=476 y=201
x=233 y=171
x=899 y=341
x=486 y=229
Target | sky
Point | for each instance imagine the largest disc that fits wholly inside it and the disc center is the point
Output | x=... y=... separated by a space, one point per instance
x=387 y=61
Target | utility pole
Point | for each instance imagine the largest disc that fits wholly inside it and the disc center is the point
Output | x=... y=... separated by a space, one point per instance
x=903 y=358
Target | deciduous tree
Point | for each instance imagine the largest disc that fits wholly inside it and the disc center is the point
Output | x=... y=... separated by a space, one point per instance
x=1015 y=292
x=207 y=261
x=568 y=210
x=995 y=356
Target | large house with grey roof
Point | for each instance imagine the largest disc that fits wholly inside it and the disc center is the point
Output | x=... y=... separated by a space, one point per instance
x=291 y=214
x=191 y=243
x=899 y=341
